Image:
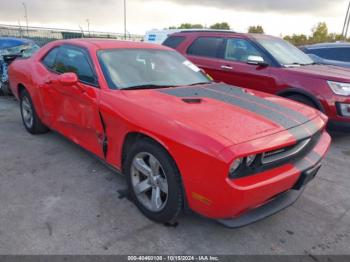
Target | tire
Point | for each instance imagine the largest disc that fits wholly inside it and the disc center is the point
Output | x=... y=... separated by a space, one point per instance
x=160 y=181
x=304 y=100
x=30 y=118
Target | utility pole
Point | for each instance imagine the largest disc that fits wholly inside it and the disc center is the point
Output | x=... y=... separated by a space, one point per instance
x=82 y=31
x=26 y=16
x=125 y=20
x=88 y=24
x=346 y=23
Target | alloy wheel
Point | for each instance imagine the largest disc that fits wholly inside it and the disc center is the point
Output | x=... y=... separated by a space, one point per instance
x=149 y=181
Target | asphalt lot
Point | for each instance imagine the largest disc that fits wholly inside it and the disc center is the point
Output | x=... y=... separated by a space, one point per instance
x=55 y=198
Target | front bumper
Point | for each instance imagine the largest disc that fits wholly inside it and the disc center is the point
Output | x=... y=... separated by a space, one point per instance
x=276 y=204
x=264 y=198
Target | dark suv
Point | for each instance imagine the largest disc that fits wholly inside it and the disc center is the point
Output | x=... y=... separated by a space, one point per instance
x=268 y=64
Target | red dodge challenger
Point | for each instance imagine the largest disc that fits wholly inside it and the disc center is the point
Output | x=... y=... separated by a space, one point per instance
x=183 y=141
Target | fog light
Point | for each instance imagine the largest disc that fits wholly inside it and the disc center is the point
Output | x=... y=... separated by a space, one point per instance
x=344 y=109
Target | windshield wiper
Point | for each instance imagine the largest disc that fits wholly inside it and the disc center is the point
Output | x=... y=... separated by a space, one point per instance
x=299 y=64
x=150 y=86
x=292 y=64
x=314 y=63
x=200 y=83
x=146 y=87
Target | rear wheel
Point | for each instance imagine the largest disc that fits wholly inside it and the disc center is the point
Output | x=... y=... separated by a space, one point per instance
x=30 y=118
x=304 y=100
x=154 y=181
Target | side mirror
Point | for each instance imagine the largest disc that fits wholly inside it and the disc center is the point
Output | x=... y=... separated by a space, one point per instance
x=68 y=79
x=256 y=60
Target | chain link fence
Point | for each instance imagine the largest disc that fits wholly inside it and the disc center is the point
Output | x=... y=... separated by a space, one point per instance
x=43 y=35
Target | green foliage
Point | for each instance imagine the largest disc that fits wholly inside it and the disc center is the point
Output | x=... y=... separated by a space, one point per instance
x=187 y=26
x=319 y=34
x=256 y=29
x=221 y=26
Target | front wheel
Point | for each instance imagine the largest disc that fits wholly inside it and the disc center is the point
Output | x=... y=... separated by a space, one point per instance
x=154 y=181
x=30 y=118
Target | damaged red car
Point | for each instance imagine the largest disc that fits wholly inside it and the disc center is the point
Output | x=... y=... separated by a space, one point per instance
x=183 y=141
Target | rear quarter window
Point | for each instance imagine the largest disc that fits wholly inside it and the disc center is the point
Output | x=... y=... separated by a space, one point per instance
x=206 y=47
x=173 y=41
x=50 y=58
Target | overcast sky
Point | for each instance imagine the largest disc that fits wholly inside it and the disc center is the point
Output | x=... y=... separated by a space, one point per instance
x=278 y=17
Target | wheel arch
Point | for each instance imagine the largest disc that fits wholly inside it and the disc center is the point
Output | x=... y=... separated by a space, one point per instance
x=298 y=91
x=134 y=136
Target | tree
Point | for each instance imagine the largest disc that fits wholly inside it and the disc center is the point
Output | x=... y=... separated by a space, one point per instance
x=190 y=26
x=332 y=37
x=221 y=26
x=297 y=39
x=256 y=29
x=319 y=33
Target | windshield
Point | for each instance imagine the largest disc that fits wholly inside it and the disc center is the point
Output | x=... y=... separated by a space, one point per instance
x=284 y=52
x=148 y=68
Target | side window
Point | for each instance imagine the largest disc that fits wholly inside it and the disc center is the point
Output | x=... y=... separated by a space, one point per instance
x=50 y=58
x=71 y=59
x=173 y=41
x=206 y=46
x=239 y=50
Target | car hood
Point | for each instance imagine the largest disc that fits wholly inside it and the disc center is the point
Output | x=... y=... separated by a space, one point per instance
x=327 y=72
x=233 y=113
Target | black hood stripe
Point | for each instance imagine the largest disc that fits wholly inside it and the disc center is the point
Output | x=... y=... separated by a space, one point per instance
x=237 y=97
x=230 y=90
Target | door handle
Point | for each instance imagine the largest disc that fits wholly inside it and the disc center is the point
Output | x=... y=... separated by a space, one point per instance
x=226 y=67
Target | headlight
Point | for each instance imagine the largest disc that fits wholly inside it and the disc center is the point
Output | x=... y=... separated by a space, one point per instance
x=250 y=160
x=235 y=166
x=338 y=88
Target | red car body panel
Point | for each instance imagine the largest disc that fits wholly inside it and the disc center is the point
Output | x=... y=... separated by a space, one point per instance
x=202 y=138
x=310 y=81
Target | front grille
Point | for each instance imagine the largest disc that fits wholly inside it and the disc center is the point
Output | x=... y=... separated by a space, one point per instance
x=280 y=154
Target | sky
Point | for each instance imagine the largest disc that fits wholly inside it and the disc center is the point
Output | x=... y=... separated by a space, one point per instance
x=278 y=17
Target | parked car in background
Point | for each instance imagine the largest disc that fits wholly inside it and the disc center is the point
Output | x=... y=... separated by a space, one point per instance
x=158 y=36
x=181 y=140
x=337 y=54
x=269 y=64
x=10 y=49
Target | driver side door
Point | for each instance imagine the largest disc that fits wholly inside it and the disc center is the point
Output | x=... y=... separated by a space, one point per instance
x=74 y=109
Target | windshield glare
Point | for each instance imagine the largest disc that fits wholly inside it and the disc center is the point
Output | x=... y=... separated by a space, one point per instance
x=127 y=68
x=284 y=52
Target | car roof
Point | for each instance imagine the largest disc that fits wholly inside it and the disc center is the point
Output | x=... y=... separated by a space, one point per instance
x=100 y=44
x=327 y=45
x=221 y=33
x=6 y=42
